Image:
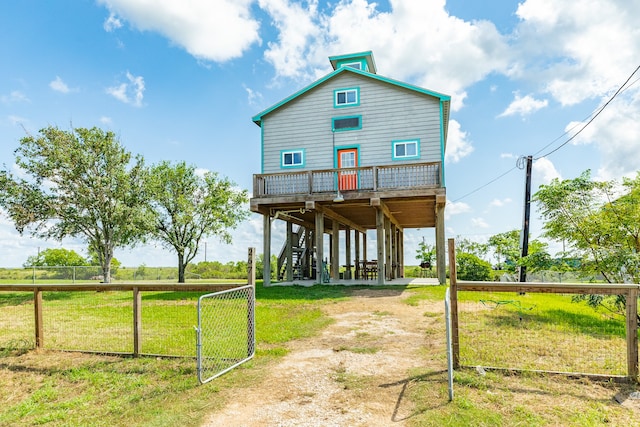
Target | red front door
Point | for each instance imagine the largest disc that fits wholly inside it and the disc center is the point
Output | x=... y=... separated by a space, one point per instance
x=348 y=158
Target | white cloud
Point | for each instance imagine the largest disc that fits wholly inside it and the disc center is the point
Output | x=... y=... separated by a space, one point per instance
x=500 y=203
x=14 y=97
x=215 y=30
x=106 y=120
x=479 y=223
x=253 y=97
x=16 y=120
x=455 y=208
x=523 y=106
x=131 y=92
x=112 y=23
x=457 y=144
x=416 y=41
x=59 y=86
x=580 y=49
x=543 y=171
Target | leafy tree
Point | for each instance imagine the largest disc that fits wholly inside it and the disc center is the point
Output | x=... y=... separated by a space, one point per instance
x=600 y=221
x=56 y=257
x=426 y=253
x=470 y=267
x=506 y=247
x=464 y=245
x=79 y=183
x=538 y=258
x=186 y=207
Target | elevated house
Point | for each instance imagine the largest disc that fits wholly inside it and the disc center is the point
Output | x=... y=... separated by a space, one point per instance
x=352 y=152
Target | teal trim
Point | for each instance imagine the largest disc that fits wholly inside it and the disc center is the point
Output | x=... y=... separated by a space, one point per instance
x=333 y=123
x=442 y=142
x=366 y=58
x=257 y=119
x=293 y=152
x=362 y=64
x=346 y=91
x=405 y=141
x=262 y=150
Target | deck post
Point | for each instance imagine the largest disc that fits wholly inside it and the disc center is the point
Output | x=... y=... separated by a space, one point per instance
x=347 y=243
x=440 y=246
x=289 y=250
x=266 y=250
x=335 y=250
x=388 y=249
x=319 y=244
x=380 y=241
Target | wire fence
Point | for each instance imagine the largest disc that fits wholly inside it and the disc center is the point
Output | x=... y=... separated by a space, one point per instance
x=544 y=326
x=108 y=318
x=545 y=332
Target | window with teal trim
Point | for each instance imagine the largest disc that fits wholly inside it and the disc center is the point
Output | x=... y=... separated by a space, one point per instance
x=406 y=149
x=349 y=97
x=292 y=158
x=339 y=124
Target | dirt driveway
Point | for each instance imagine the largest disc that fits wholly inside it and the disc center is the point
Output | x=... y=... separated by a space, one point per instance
x=356 y=373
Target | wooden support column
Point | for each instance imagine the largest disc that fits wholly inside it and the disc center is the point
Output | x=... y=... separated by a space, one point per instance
x=388 y=269
x=319 y=245
x=401 y=251
x=440 y=245
x=289 y=254
x=357 y=273
x=453 y=294
x=37 y=306
x=266 y=250
x=632 y=334
x=335 y=250
x=308 y=262
x=347 y=242
x=380 y=238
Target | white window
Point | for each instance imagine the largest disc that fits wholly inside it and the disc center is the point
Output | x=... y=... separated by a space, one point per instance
x=292 y=159
x=346 y=97
x=409 y=149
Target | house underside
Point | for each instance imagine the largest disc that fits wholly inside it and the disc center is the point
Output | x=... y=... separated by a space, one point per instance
x=344 y=204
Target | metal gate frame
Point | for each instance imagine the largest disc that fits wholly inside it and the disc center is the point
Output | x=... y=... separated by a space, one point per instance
x=212 y=358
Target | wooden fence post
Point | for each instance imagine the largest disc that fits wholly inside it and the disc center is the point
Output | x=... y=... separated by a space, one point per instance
x=632 y=334
x=137 y=321
x=37 y=305
x=453 y=294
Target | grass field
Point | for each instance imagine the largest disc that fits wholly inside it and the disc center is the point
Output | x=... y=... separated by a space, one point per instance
x=56 y=388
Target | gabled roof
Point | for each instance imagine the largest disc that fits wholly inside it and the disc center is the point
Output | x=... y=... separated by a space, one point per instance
x=444 y=99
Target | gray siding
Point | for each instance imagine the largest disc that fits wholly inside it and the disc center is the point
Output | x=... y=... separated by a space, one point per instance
x=388 y=113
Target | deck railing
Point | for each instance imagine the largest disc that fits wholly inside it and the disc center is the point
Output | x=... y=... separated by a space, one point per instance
x=370 y=178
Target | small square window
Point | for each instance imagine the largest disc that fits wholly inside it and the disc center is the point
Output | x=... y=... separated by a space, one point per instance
x=346 y=97
x=292 y=159
x=406 y=149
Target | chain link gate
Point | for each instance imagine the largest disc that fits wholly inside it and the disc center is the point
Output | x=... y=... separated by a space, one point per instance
x=225 y=332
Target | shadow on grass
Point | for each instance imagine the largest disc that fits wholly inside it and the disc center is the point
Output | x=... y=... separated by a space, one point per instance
x=436 y=377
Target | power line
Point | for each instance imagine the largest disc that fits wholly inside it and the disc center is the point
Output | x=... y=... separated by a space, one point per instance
x=593 y=115
x=600 y=110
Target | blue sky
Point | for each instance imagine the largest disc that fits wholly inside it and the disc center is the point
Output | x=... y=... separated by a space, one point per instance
x=181 y=81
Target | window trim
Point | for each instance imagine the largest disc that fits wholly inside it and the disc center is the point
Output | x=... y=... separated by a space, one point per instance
x=396 y=142
x=293 y=165
x=333 y=123
x=350 y=62
x=346 y=90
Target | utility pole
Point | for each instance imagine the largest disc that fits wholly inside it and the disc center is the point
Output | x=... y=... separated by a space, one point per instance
x=524 y=236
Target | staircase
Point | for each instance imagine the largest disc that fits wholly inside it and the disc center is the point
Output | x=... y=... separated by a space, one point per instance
x=300 y=255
